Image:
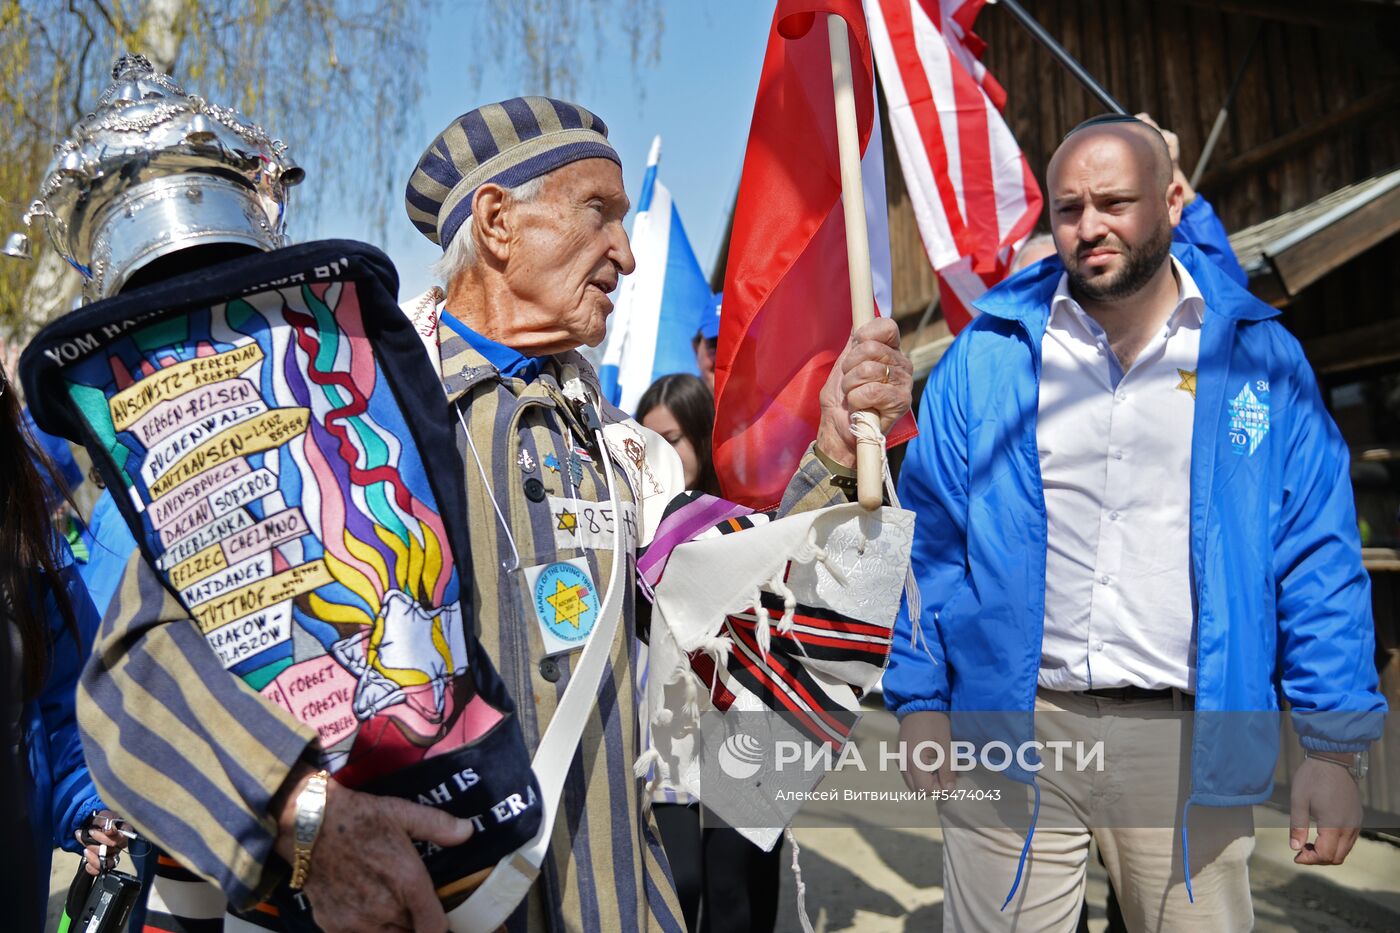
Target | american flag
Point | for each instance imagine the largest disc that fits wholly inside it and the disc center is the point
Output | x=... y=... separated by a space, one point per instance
x=973 y=194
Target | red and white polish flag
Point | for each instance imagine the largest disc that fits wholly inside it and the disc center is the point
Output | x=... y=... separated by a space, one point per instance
x=973 y=193
x=787 y=296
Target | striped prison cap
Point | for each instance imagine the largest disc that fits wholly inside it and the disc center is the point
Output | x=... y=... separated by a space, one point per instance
x=508 y=144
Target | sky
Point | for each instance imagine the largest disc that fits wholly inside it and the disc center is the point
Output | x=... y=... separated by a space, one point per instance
x=698 y=98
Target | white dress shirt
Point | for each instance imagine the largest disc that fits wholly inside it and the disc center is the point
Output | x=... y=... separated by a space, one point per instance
x=1115 y=459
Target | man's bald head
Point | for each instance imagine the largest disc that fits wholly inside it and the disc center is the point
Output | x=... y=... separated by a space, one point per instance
x=1113 y=203
x=1146 y=143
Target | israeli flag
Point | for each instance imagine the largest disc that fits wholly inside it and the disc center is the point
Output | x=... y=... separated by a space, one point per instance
x=659 y=305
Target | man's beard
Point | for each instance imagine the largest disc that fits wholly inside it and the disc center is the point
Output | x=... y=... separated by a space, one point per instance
x=1140 y=263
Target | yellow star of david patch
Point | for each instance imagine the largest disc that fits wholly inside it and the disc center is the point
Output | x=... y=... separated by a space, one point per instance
x=1188 y=381
x=568 y=521
x=568 y=605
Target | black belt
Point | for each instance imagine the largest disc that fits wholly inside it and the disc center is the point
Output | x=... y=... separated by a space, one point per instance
x=1127 y=694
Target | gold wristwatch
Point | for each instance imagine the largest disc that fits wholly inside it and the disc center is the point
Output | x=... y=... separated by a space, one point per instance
x=311 y=808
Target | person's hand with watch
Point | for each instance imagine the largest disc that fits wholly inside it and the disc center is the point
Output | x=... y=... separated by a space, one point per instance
x=1325 y=791
x=352 y=854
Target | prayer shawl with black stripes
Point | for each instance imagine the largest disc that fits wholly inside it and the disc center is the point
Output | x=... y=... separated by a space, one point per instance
x=779 y=624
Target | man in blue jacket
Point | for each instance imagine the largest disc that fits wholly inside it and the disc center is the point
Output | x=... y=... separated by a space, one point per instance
x=1132 y=502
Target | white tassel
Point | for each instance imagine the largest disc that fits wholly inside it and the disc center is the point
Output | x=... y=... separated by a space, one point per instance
x=811 y=552
x=780 y=588
x=917 y=638
x=799 y=884
x=645 y=762
x=760 y=621
x=718 y=647
x=690 y=708
x=650 y=762
x=763 y=634
x=912 y=596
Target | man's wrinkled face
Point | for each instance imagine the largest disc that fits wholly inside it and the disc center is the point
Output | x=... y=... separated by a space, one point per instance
x=568 y=249
x=1111 y=212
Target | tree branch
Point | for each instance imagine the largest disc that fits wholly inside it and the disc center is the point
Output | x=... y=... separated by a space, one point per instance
x=119 y=26
x=80 y=85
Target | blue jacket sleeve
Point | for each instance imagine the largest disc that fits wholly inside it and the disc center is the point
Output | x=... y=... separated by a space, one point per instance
x=74 y=797
x=933 y=485
x=1202 y=229
x=109 y=550
x=1326 y=634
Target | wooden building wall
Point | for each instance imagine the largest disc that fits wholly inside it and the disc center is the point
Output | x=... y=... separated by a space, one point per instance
x=1335 y=83
x=1318 y=107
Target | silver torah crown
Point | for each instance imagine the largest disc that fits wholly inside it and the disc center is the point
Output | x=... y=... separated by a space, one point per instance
x=154 y=170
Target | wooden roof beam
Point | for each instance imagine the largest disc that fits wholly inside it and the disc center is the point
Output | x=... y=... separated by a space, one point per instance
x=1334 y=14
x=1307 y=254
x=1289 y=143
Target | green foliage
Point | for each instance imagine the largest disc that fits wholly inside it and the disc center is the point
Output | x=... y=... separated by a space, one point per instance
x=337 y=80
x=551 y=41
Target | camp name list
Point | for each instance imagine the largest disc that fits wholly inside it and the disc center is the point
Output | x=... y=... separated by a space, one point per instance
x=199 y=420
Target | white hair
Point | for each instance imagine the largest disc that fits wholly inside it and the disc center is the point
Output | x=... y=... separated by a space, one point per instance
x=1035 y=249
x=460 y=254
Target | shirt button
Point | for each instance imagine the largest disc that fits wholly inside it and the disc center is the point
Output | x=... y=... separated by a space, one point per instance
x=1118 y=455
x=549 y=670
x=1098 y=646
x=534 y=490
x=1103 y=579
x=1122 y=396
x=1113 y=516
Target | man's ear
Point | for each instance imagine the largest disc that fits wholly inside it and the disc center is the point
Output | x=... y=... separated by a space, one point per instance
x=491 y=221
x=1176 y=201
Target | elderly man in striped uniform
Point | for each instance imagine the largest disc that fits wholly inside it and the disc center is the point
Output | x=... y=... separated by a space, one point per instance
x=526 y=199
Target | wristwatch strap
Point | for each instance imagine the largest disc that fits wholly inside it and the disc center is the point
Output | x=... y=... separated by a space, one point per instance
x=311 y=808
x=842 y=477
x=1351 y=766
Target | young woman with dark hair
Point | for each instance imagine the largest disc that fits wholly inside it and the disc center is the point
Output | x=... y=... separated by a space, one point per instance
x=49 y=622
x=681 y=409
x=723 y=881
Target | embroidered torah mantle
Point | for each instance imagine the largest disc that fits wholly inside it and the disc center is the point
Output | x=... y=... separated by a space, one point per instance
x=265 y=426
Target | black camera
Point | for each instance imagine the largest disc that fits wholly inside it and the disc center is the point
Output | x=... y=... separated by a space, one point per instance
x=99 y=904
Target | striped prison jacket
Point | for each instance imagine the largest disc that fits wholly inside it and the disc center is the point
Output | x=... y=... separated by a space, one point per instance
x=193 y=756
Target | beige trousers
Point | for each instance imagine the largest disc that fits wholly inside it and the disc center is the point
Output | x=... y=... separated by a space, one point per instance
x=1131 y=808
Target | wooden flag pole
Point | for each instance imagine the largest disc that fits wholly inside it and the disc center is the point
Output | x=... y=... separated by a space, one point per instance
x=870 y=454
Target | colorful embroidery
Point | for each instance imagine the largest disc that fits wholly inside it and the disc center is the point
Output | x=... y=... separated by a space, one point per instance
x=288 y=507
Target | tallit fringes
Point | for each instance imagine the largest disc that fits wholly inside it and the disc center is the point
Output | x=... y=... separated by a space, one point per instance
x=650 y=765
x=799 y=883
x=812 y=553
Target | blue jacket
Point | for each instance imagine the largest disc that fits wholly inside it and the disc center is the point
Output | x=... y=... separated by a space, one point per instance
x=1283 y=601
x=62 y=794
x=106 y=537
x=110 y=545
x=1201 y=228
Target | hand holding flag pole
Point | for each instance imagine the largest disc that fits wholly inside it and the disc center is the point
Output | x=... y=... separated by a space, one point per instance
x=787 y=311
x=870 y=441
